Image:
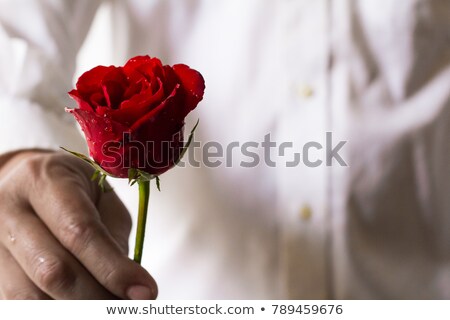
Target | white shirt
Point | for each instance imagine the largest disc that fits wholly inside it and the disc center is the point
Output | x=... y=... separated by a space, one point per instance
x=375 y=73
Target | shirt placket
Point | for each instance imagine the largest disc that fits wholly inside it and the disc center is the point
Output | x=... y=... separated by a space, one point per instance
x=303 y=187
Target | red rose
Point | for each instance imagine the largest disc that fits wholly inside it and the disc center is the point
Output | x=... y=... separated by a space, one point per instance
x=133 y=116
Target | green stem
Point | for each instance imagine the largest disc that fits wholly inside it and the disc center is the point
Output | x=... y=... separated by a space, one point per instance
x=144 y=194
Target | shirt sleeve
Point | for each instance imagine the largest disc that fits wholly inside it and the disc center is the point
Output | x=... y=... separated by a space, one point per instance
x=40 y=41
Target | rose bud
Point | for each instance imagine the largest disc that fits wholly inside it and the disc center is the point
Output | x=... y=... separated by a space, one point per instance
x=133 y=116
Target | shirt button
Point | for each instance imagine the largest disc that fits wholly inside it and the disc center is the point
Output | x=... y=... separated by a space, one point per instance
x=305 y=91
x=305 y=213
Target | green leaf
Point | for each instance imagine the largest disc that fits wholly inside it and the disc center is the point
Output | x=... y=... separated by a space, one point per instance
x=90 y=161
x=99 y=173
x=95 y=175
x=144 y=176
x=188 y=143
x=101 y=183
x=132 y=174
x=158 y=184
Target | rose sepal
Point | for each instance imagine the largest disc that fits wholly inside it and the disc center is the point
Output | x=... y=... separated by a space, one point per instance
x=99 y=172
x=189 y=141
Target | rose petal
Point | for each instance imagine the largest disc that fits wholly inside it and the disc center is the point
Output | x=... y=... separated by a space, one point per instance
x=149 y=67
x=114 y=85
x=83 y=105
x=170 y=79
x=136 y=61
x=139 y=105
x=97 y=99
x=168 y=106
x=105 y=138
x=90 y=81
x=113 y=92
x=163 y=135
x=192 y=85
x=137 y=84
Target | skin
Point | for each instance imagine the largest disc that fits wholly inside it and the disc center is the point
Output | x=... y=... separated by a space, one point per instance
x=60 y=236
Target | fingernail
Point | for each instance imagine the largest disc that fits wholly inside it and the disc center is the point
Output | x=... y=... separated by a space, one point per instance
x=139 y=292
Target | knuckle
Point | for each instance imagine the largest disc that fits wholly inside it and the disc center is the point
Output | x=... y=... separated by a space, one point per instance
x=53 y=274
x=45 y=166
x=117 y=275
x=77 y=232
x=75 y=165
x=29 y=172
x=39 y=169
x=54 y=167
x=31 y=166
x=70 y=171
x=110 y=276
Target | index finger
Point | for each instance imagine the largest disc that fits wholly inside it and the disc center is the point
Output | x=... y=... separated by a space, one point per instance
x=72 y=217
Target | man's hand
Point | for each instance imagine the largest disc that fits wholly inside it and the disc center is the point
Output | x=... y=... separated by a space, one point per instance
x=60 y=236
